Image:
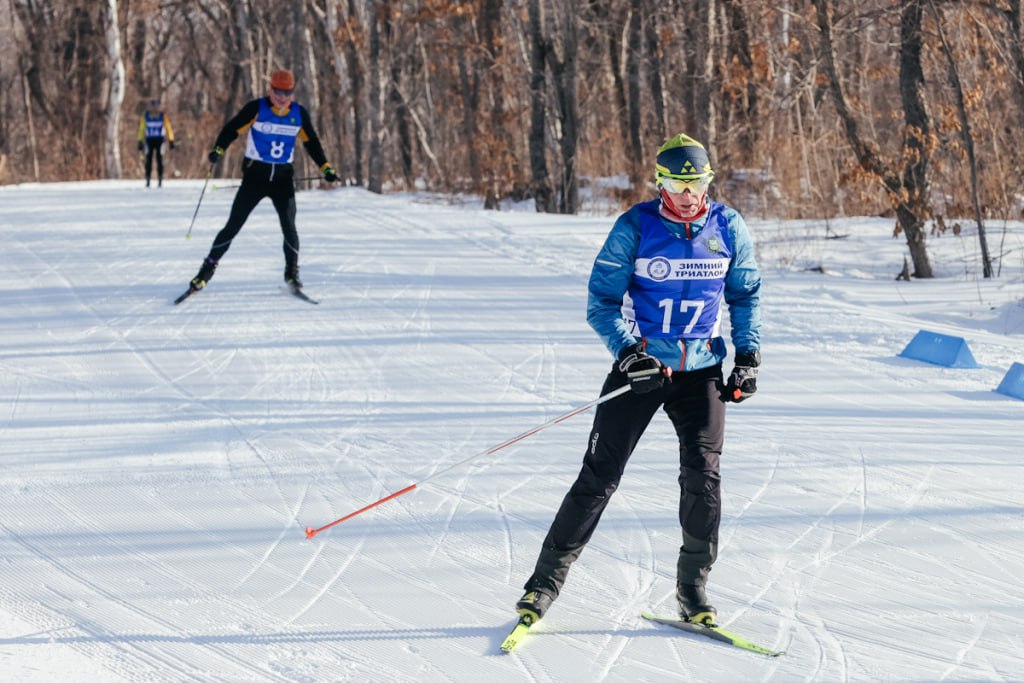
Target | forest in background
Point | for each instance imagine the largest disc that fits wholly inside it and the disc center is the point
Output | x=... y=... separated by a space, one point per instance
x=809 y=108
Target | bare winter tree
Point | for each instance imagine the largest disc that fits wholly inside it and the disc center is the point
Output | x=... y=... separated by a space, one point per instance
x=907 y=186
x=561 y=59
x=543 y=196
x=115 y=96
x=968 y=138
x=378 y=12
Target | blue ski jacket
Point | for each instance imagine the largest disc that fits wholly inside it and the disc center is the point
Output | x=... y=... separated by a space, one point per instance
x=644 y=251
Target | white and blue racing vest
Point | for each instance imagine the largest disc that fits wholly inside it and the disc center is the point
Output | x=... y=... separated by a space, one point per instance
x=678 y=282
x=155 y=125
x=272 y=137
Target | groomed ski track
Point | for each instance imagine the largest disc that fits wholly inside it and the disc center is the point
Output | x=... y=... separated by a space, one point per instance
x=160 y=462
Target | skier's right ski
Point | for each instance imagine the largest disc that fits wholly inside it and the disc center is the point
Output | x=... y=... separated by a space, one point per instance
x=518 y=632
x=712 y=631
x=188 y=292
x=297 y=292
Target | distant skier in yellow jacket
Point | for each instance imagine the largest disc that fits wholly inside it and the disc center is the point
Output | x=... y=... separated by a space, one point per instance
x=154 y=126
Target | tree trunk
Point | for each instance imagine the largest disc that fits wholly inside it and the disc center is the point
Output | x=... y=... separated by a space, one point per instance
x=33 y=144
x=335 y=87
x=904 y=190
x=137 y=59
x=401 y=111
x=242 y=71
x=697 y=82
x=652 y=53
x=314 y=97
x=543 y=197
x=468 y=91
x=748 y=113
x=1015 y=18
x=634 y=148
x=355 y=71
x=497 y=162
x=564 y=75
x=968 y=138
x=916 y=138
x=375 y=112
x=115 y=94
x=621 y=107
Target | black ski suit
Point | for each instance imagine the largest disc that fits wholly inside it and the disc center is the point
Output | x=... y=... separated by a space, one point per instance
x=261 y=179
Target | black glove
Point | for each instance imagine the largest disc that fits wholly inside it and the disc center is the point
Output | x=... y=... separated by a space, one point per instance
x=330 y=175
x=742 y=383
x=215 y=154
x=171 y=143
x=645 y=372
x=142 y=145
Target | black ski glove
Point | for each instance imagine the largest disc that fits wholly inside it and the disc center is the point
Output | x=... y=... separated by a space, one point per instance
x=330 y=175
x=171 y=143
x=215 y=154
x=142 y=145
x=645 y=372
x=742 y=383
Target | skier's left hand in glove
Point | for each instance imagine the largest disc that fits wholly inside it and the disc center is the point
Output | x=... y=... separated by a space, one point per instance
x=645 y=372
x=330 y=175
x=742 y=383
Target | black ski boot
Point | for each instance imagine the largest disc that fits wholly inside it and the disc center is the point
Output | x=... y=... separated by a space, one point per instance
x=533 y=605
x=291 y=278
x=693 y=604
x=204 y=274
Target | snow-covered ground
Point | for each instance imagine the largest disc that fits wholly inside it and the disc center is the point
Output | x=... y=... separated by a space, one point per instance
x=160 y=463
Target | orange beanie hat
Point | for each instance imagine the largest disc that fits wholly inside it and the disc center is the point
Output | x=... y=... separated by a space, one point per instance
x=282 y=80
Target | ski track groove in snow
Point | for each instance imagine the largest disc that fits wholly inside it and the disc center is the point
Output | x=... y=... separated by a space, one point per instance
x=978 y=630
x=178 y=669
x=124 y=658
x=324 y=588
x=155 y=369
x=244 y=612
x=241 y=613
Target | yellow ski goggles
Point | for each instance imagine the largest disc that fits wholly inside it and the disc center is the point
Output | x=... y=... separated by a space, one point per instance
x=695 y=184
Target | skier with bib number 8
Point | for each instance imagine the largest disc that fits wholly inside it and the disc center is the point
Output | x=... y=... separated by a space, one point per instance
x=272 y=124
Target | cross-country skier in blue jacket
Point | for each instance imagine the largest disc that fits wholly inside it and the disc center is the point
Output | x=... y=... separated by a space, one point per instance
x=656 y=298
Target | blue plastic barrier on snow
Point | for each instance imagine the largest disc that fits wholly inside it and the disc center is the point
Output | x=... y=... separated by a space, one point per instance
x=1013 y=382
x=940 y=349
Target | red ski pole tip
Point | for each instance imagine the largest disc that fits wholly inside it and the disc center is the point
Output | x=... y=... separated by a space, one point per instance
x=310 y=532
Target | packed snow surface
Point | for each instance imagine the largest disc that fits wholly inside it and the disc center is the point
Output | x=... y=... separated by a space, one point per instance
x=160 y=463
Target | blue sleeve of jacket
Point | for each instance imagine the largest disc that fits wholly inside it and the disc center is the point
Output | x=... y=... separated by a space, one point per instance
x=609 y=281
x=743 y=288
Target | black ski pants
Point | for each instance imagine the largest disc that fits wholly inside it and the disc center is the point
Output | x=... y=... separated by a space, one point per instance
x=693 y=402
x=261 y=180
x=155 y=147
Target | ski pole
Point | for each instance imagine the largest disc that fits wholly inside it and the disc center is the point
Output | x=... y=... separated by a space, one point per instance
x=311 y=532
x=188 y=235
